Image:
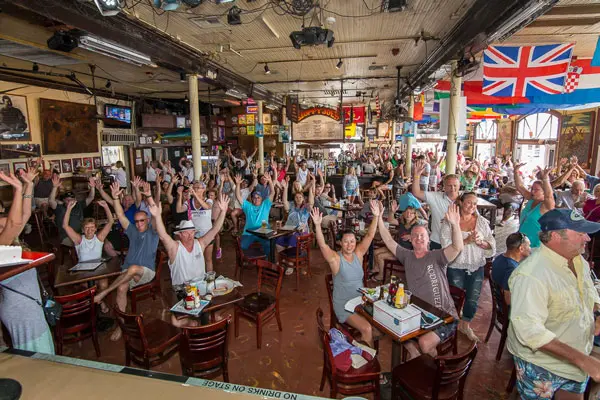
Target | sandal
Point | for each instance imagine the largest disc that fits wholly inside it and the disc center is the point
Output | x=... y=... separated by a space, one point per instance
x=289 y=271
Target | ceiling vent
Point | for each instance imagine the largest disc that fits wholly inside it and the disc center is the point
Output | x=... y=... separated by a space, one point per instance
x=377 y=67
x=208 y=22
x=35 y=54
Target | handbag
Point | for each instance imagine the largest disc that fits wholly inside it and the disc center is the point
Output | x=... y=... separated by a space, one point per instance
x=52 y=309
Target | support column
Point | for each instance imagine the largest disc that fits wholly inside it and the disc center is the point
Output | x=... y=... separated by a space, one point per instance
x=410 y=140
x=261 y=140
x=195 y=119
x=453 y=118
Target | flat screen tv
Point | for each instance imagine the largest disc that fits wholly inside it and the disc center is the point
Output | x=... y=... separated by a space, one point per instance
x=117 y=116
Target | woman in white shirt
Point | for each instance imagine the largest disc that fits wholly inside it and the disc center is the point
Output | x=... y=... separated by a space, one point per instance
x=467 y=270
x=89 y=246
x=120 y=174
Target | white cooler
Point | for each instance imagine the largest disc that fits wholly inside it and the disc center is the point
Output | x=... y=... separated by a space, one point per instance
x=399 y=321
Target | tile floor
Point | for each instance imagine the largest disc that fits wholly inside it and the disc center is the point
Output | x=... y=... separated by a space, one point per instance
x=292 y=360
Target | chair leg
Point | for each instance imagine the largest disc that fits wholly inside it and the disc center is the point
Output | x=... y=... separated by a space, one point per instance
x=225 y=372
x=503 y=336
x=377 y=393
x=278 y=317
x=323 y=375
x=127 y=358
x=258 y=333
x=236 y=317
x=297 y=277
x=512 y=381
x=133 y=300
x=491 y=328
x=96 y=344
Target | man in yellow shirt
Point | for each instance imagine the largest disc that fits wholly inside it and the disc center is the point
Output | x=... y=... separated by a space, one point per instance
x=553 y=306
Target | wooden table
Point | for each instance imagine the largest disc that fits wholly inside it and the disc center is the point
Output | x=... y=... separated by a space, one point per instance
x=397 y=340
x=38 y=258
x=487 y=210
x=271 y=237
x=108 y=269
x=343 y=210
x=216 y=303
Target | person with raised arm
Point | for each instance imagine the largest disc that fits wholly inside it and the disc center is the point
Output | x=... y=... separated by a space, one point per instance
x=426 y=274
x=256 y=210
x=186 y=255
x=540 y=200
x=139 y=266
x=346 y=268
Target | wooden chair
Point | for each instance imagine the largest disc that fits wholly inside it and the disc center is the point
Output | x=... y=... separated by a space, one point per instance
x=204 y=350
x=150 y=289
x=261 y=306
x=451 y=343
x=298 y=257
x=244 y=258
x=430 y=378
x=332 y=237
x=68 y=251
x=148 y=344
x=365 y=266
x=393 y=267
x=78 y=320
x=348 y=383
x=500 y=314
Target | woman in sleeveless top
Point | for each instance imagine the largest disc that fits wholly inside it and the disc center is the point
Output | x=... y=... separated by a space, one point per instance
x=89 y=246
x=347 y=271
x=540 y=200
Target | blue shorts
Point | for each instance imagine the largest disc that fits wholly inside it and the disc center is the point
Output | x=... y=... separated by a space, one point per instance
x=446 y=330
x=350 y=192
x=535 y=382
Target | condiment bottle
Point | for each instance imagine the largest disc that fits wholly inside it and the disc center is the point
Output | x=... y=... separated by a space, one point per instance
x=399 y=296
x=392 y=289
x=189 y=300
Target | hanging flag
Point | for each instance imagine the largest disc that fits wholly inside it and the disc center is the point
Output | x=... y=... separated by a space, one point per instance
x=596 y=58
x=418 y=111
x=526 y=70
x=472 y=90
x=578 y=90
x=377 y=107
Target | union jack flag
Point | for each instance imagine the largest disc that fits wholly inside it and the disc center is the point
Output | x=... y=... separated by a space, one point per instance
x=525 y=71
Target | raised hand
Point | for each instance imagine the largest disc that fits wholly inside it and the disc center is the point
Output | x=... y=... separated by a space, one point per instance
x=268 y=178
x=11 y=179
x=154 y=209
x=375 y=209
x=175 y=180
x=115 y=190
x=71 y=204
x=29 y=175
x=453 y=215
x=419 y=167
x=136 y=182
x=518 y=166
x=55 y=181
x=545 y=172
x=223 y=203
x=145 y=189
x=316 y=216
x=103 y=204
x=286 y=182
x=394 y=206
x=180 y=189
x=159 y=179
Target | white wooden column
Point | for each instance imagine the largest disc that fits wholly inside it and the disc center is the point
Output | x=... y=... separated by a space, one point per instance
x=453 y=115
x=195 y=119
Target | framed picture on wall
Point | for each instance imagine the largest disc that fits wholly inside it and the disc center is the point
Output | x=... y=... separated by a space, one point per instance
x=77 y=163
x=5 y=167
x=14 y=119
x=97 y=162
x=67 y=166
x=19 y=165
x=87 y=162
x=55 y=166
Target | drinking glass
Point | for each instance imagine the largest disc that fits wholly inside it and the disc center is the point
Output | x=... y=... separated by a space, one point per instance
x=263 y=224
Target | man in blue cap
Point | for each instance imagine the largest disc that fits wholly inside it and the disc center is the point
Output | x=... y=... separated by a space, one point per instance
x=554 y=310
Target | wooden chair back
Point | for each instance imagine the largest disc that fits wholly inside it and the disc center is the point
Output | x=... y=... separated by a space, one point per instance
x=270 y=277
x=453 y=370
x=329 y=284
x=333 y=234
x=132 y=327
x=303 y=245
x=77 y=307
x=325 y=339
x=239 y=254
x=204 y=350
x=499 y=306
x=458 y=296
x=393 y=267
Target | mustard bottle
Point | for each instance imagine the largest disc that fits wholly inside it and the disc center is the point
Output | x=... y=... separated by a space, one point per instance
x=399 y=296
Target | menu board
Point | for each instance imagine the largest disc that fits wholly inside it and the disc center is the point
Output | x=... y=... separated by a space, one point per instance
x=318 y=128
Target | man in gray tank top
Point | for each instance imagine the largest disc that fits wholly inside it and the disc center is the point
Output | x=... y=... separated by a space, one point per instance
x=426 y=274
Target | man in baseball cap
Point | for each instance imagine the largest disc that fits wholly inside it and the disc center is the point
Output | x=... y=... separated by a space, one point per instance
x=554 y=306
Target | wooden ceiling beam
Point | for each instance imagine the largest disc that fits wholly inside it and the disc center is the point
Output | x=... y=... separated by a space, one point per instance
x=560 y=22
x=575 y=10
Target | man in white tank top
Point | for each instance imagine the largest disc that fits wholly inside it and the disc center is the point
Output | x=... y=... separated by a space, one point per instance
x=186 y=255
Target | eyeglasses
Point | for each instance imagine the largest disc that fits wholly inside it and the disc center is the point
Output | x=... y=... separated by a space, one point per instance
x=137 y=221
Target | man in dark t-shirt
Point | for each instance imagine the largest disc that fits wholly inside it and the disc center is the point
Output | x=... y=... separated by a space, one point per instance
x=426 y=275
x=518 y=248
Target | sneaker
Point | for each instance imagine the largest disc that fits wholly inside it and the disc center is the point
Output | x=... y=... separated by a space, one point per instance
x=219 y=253
x=289 y=271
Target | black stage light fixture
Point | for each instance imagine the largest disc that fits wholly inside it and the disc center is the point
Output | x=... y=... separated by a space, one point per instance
x=35 y=67
x=267 y=69
x=312 y=36
x=339 y=64
x=109 y=8
x=62 y=41
x=234 y=16
x=108 y=84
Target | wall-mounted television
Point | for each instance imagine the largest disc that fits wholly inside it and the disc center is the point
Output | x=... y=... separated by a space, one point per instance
x=117 y=116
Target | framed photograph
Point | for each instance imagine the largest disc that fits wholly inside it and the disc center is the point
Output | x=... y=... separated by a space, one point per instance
x=97 y=162
x=55 y=166
x=68 y=128
x=18 y=166
x=24 y=150
x=274 y=119
x=67 y=166
x=87 y=162
x=241 y=119
x=266 y=119
x=5 y=167
x=77 y=163
x=250 y=119
x=14 y=119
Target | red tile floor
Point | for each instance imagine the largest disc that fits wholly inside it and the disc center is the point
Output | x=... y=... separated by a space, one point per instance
x=292 y=360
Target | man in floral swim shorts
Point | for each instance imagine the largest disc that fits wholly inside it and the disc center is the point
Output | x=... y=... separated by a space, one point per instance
x=554 y=310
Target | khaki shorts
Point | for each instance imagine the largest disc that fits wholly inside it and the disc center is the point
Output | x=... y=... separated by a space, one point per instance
x=147 y=276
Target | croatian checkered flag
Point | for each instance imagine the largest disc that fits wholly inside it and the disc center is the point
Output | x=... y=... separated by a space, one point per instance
x=572 y=81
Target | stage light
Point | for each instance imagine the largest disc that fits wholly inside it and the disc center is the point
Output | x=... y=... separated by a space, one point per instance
x=267 y=69
x=339 y=64
x=186 y=99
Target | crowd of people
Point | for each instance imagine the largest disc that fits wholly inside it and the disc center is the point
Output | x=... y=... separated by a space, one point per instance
x=424 y=218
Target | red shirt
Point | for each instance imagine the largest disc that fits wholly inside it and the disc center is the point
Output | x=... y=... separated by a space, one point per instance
x=591 y=210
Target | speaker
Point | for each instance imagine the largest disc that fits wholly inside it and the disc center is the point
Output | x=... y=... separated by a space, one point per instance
x=62 y=41
x=396 y=5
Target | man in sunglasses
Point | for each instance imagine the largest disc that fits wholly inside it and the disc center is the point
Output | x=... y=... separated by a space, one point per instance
x=518 y=248
x=554 y=311
x=139 y=266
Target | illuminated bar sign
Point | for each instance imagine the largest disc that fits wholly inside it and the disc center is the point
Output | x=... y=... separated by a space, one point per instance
x=326 y=112
x=251 y=109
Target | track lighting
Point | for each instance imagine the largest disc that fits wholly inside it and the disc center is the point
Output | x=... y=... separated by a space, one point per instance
x=339 y=64
x=267 y=69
